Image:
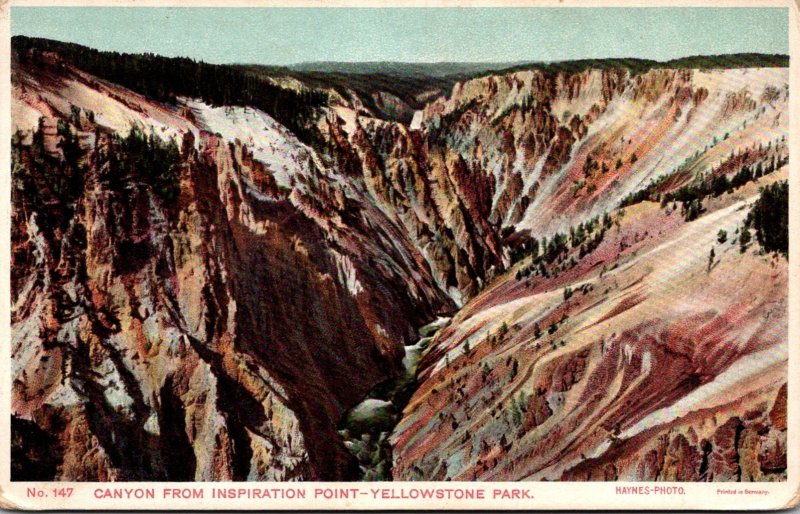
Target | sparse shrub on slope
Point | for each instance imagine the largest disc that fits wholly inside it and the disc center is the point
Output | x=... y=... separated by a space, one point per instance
x=47 y=183
x=54 y=183
x=150 y=159
x=734 y=172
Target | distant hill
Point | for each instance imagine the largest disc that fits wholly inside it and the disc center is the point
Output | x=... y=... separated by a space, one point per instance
x=429 y=69
x=701 y=62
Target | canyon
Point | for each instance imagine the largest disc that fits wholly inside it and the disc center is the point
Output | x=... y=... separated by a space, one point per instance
x=207 y=283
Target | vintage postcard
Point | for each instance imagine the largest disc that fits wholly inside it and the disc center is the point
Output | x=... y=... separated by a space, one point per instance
x=424 y=255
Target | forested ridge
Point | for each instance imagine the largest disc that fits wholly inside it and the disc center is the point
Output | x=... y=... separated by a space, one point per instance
x=166 y=78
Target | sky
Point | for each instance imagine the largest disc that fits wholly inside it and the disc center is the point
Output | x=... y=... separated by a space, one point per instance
x=293 y=35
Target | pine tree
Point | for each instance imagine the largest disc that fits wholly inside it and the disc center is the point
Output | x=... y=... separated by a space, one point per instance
x=770 y=218
x=744 y=239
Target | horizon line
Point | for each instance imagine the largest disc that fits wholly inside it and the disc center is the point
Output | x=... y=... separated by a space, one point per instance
x=510 y=63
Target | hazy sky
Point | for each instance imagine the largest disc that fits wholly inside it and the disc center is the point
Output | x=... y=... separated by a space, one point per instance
x=292 y=35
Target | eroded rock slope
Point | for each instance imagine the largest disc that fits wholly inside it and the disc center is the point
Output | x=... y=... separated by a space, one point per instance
x=198 y=293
